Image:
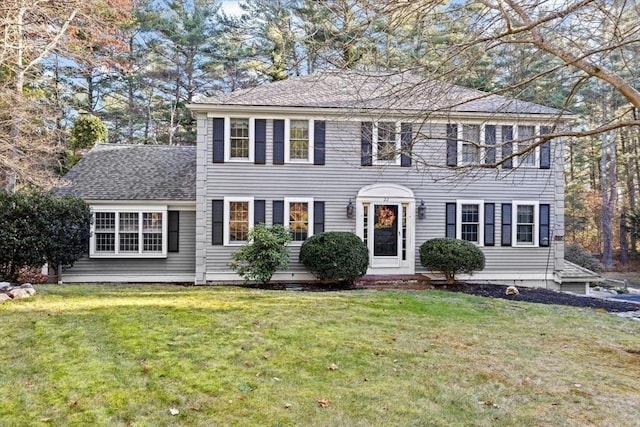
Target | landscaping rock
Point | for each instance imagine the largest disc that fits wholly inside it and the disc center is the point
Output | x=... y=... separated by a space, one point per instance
x=29 y=288
x=511 y=290
x=17 y=293
x=5 y=286
x=4 y=297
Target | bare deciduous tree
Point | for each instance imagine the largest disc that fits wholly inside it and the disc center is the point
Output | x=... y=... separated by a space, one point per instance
x=32 y=31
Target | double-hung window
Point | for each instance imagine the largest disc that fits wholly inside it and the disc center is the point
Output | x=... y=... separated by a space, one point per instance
x=299 y=141
x=386 y=143
x=238 y=219
x=239 y=139
x=470 y=145
x=139 y=232
x=525 y=223
x=526 y=138
x=470 y=219
x=298 y=216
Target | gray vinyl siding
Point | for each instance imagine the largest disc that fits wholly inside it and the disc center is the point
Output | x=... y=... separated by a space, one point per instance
x=340 y=179
x=180 y=263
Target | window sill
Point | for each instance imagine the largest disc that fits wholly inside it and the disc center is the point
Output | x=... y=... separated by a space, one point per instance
x=238 y=160
x=129 y=255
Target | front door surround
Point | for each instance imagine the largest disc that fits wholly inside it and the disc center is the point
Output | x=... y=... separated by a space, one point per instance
x=385 y=221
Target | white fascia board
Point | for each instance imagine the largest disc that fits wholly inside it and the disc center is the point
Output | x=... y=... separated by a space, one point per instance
x=183 y=205
x=217 y=110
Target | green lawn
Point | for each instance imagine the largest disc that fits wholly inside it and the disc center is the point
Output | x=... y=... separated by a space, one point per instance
x=126 y=355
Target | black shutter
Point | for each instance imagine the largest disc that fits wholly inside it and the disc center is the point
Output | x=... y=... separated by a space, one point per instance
x=318 y=141
x=278 y=142
x=489 y=224
x=490 y=141
x=506 y=224
x=218 y=140
x=406 y=139
x=452 y=145
x=318 y=217
x=217 y=222
x=260 y=141
x=545 y=219
x=259 y=212
x=366 y=144
x=278 y=212
x=545 y=150
x=173 y=228
x=451 y=221
x=507 y=146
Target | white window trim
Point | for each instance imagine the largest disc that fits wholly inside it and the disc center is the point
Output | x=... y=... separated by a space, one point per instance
x=462 y=141
x=287 y=143
x=536 y=150
x=139 y=210
x=226 y=217
x=514 y=223
x=374 y=142
x=480 y=204
x=309 y=201
x=227 y=140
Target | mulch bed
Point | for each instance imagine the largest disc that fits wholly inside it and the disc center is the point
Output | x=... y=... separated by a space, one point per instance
x=543 y=296
x=537 y=295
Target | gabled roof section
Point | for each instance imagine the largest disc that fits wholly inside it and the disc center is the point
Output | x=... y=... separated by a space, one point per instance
x=133 y=172
x=363 y=91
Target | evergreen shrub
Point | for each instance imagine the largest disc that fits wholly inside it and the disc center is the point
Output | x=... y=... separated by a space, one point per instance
x=576 y=254
x=451 y=256
x=335 y=256
x=264 y=253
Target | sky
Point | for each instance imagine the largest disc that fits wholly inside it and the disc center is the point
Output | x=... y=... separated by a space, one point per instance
x=231 y=7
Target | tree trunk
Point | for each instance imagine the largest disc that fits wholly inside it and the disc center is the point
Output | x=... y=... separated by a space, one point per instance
x=608 y=183
x=624 y=246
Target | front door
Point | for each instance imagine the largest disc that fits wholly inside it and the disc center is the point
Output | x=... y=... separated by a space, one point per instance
x=387 y=234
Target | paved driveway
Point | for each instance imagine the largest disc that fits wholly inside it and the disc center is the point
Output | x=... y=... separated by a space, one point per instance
x=628 y=298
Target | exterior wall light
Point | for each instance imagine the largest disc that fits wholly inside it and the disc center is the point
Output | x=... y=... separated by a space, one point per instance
x=350 y=209
x=422 y=210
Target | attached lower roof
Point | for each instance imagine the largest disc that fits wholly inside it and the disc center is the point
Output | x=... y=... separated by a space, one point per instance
x=133 y=172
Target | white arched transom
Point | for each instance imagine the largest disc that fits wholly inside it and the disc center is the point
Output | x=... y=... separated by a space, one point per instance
x=394 y=191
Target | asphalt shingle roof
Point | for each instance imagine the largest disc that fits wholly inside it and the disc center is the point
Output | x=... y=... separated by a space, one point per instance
x=574 y=273
x=133 y=172
x=361 y=91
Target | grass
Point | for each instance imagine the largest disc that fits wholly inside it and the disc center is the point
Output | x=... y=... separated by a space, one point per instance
x=125 y=355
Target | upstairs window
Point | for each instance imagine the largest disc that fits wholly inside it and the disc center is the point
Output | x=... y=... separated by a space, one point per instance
x=526 y=134
x=239 y=139
x=470 y=145
x=299 y=141
x=129 y=232
x=387 y=142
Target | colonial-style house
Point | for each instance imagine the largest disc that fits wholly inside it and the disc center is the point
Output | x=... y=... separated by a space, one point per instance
x=390 y=157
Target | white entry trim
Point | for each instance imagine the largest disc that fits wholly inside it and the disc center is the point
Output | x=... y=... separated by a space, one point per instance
x=391 y=194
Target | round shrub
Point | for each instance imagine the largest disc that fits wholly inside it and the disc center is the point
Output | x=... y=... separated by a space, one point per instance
x=576 y=254
x=335 y=256
x=451 y=256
